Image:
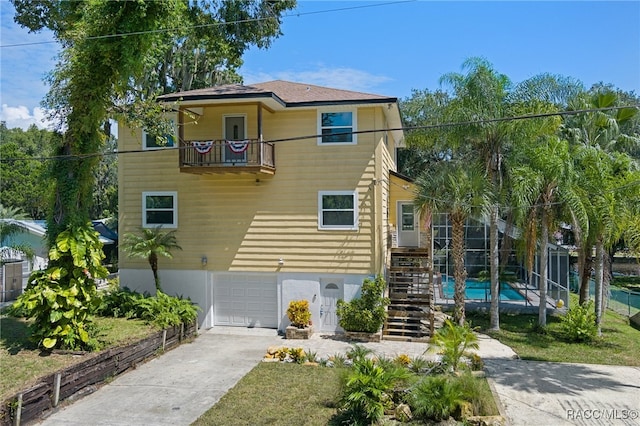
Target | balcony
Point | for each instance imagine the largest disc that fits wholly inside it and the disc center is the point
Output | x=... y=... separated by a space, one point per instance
x=221 y=156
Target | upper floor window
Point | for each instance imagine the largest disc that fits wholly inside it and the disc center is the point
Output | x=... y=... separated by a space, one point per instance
x=160 y=209
x=337 y=127
x=151 y=141
x=338 y=210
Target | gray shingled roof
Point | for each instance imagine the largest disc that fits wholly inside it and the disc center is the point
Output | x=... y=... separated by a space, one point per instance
x=285 y=92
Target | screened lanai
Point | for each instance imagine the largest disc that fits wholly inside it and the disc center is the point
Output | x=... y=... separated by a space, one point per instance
x=516 y=288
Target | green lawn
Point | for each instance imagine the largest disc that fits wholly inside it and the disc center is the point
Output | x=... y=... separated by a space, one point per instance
x=619 y=345
x=22 y=364
x=279 y=394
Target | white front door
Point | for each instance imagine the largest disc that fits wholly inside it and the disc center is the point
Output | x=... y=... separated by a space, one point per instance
x=332 y=291
x=235 y=131
x=408 y=229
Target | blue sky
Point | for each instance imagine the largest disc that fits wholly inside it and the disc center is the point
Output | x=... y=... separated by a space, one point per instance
x=391 y=48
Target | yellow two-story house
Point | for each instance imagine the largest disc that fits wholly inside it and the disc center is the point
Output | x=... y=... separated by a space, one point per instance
x=278 y=191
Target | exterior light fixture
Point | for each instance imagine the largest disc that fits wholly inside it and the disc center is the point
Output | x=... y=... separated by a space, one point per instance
x=204 y=260
x=281 y=261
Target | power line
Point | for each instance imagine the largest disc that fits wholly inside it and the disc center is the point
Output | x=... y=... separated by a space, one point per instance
x=316 y=136
x=215 y=24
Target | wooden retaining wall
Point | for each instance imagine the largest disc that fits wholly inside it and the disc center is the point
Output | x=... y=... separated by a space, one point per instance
x=29 y=404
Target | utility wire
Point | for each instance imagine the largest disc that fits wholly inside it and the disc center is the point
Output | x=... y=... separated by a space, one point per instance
x=316 y=136
x=215 y=24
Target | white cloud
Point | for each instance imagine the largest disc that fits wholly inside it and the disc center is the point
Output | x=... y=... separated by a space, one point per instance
x=338 y=78
x=21 y=117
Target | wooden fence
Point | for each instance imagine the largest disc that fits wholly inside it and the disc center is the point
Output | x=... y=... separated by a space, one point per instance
x=29 y=404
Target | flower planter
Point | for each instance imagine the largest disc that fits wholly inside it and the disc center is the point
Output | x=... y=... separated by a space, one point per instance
x=292 y=332
x=363 y=336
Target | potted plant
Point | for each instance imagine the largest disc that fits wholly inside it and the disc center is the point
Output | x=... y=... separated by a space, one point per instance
x=363 y=317
x=300 y=317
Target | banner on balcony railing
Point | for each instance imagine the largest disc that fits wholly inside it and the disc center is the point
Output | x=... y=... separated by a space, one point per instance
x=203 y=147
x=238 y=146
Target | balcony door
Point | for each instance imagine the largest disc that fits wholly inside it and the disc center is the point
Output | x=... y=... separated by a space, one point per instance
x=236 y=146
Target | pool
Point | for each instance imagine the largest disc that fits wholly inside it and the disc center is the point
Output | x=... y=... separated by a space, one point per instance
x=479 y=290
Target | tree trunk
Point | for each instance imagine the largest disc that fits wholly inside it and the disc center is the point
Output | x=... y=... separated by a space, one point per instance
x=544 y=255
x=494 y=311
x=599 y=267
x=585 y=274
x=607 y=277
x=153 y=261
x=459 y=270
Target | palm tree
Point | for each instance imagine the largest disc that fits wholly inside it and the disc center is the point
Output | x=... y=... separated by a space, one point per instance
x=461 y=190
x=481 y=96
x=600 y=129
x=543 y=181
x=609 y=184
x=151 y=244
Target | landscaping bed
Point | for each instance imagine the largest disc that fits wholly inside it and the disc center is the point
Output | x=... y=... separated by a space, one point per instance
x=80 y=371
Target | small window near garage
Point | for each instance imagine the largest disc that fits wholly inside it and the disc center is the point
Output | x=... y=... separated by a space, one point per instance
x=338 y=210
x=160 y=209
x=336 y=128
x=151 y=141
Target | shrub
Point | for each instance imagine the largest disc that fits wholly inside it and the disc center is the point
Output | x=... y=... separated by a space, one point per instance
x=367 y=391
x=61 y=298
x=297 y=355
x=579 y=323
x=477 y=393
x=299 y=313
x=358 y=352
x=435 y=398
x=161 y=310
x=164 y=310
x=120 y=303
x=366 y=313
x=403 y=360
x=454 y=342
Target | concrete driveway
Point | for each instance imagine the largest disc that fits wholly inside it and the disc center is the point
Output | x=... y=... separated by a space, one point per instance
x=543 y=393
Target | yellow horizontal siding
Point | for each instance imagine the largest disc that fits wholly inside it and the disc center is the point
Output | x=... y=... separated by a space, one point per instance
x=240 y=224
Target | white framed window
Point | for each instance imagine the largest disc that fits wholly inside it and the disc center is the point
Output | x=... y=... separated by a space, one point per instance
x=151 y=141
x=160 y=209
x=338 y=210
x=336 y=127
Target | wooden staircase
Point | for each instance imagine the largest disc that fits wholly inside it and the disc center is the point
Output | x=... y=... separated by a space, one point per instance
x=410 y=314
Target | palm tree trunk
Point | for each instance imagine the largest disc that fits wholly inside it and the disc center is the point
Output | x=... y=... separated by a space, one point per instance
x=459 y=270
x=153 y=261
x=599 y=268
x=585 y=273
x=544 y=254
x=494 y=311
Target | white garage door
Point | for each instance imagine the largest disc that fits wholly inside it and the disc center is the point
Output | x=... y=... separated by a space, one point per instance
x=245 y=300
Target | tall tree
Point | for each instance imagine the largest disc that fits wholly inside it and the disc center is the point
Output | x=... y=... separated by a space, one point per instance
x=602 y=129
x=112 y=63
x=609 y=190
x=479 y=95
x=543 y=181
x=453 y=187
x=24 y=181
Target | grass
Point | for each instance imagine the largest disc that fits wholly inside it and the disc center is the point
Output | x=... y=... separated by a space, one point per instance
x=292 y=394
x=619 y=344
x=22 y=363
x=279 y=394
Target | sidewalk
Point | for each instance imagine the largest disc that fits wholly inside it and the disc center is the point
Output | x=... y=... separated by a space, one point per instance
x=179 y=386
